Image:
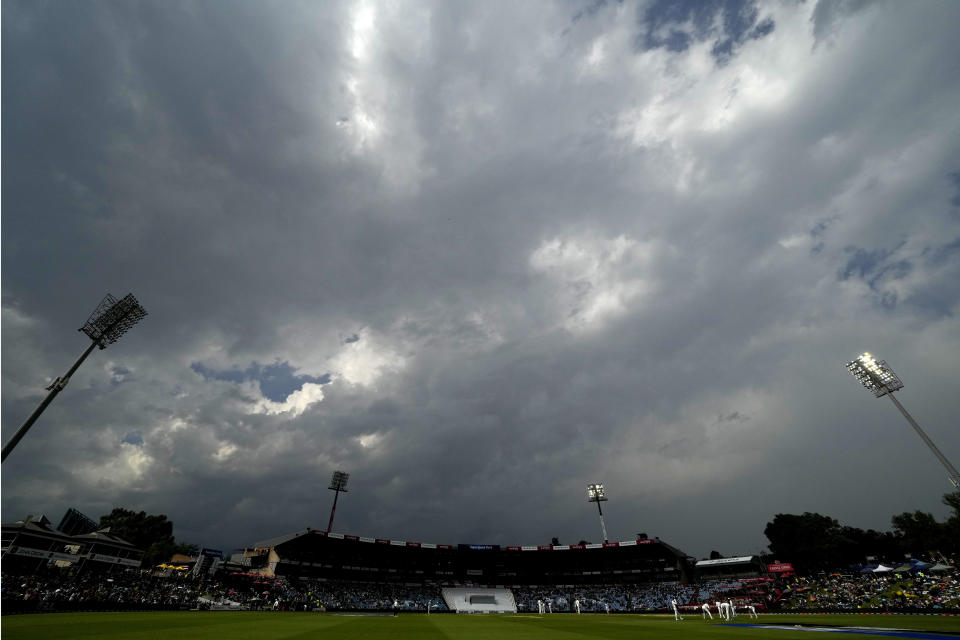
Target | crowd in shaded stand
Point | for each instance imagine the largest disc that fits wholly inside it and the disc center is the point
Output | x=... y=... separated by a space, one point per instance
x=643 y=597
x=61 y=590
x=891 y=591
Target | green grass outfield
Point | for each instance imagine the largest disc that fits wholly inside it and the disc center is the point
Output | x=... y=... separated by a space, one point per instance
x=238 y=625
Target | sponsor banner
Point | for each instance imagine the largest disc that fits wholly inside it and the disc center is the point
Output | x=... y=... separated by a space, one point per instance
x=382 y=541
x=212 y=553
x=413 y=544
x=646 y=541
x=337 y=536
x=398 y=543
x=47 y=555
x=562 y=547
x=479 y=547
x=513 y=548
x=445 y=546
x=100 y=557
x=598 y=545
x=611 y=544
x=630 y=543
x=544 y=547
x=780 y=567
x=428 y=545
x=529 y=548
x=719 y=561
x=352 y=538
x=30 y=553
x=365 y=539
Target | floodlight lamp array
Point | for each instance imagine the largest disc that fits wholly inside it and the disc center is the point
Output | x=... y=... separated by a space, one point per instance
x=339 y=481
x=596 y=493
x=874 y=374
x=112 y=318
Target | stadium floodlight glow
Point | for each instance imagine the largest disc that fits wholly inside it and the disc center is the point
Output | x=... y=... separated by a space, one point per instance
x=880 y=379
x=111 y=319
x=338 y=483
x=595 y=493
x=874 y=375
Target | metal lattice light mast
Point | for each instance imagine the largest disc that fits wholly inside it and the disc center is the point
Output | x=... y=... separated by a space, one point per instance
x=111 y=319
x=595 y=493
x=338 y=483
x=876 y=376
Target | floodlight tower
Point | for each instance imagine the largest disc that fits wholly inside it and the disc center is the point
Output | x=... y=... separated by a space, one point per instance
x=111 y=319
x=338 y=483
x=595 y=493
x=876 y=376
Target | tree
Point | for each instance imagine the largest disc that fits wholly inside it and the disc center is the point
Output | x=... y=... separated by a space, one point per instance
x=919 y=532
x=151 y=533
x=186 y=549
x=555 y=542
x=715 y=555
x=810 y=541
x=951 y=528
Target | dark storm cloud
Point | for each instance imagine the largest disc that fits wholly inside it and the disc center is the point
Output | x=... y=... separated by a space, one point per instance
x=494 y=254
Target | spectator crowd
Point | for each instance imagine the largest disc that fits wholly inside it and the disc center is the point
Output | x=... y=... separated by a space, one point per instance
x=58 y=590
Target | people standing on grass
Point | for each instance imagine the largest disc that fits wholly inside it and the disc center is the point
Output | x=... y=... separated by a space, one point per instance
x=733 y=610
x=753 y=611
x=576 y=605
x=676 y=612
x=706 y=610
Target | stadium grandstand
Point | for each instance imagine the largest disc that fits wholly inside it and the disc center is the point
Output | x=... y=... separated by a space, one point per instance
x=739 y=566
x=33 y=543
x=335 y=556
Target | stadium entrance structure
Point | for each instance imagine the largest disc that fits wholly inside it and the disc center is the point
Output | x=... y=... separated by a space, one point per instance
x=335 y=556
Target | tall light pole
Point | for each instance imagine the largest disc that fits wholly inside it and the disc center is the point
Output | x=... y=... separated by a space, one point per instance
x=876 y=376
x=111 y=319
x=595 y=493
x=338 y=483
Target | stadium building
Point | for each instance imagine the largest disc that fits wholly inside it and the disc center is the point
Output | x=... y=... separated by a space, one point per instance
x=335 y=556
x=33 y=543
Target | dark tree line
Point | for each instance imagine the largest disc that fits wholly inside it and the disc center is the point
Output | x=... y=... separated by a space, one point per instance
x=813 y=542
x=152 y=533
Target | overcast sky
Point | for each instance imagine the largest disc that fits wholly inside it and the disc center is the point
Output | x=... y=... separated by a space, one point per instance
x=480 y=255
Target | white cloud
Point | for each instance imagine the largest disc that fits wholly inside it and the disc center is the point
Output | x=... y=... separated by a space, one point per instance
x=363 y=362
x=596 y=280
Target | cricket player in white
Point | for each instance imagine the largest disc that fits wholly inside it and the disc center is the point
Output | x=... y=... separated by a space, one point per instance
x=706 y=610
x=719 y=609
x=576 y=605
x=753 y=611
x=676 y=612
x=725 y=610
x=540 y=607
x=549 y=606
x=733 y=611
